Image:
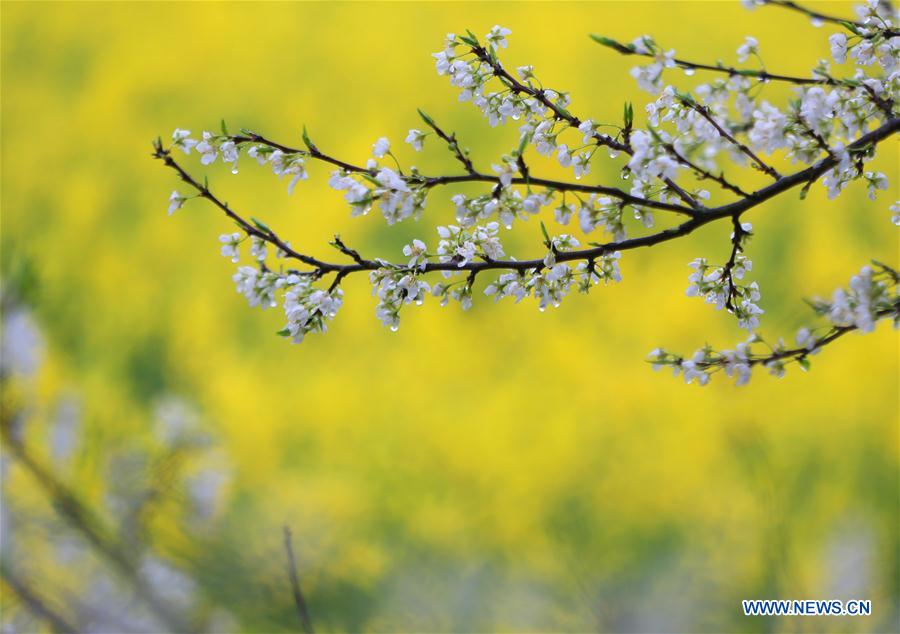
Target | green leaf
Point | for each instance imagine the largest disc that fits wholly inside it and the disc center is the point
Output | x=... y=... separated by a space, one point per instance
x=224 y=128
x=307 y=140
x=628 y=115
x=849 y=26
x=803 y=362
x=805 y=190
x=685 y=97
x=428 y=120
x=284 y=332
x=524 y=144
x=546 y=235
x=261 y=225
x=625 y=49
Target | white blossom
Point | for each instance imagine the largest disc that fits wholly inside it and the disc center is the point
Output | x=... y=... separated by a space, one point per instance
x=207 y=148
x=230 y=243
x=258 y=248
x=748 y=48
x=497 y=37
x=182 y=139
x=838 y=43
x=416 y=252
x=769 y=124
x=415 y=138
x=381 y=147
x=875 y=181
x=176 y=202
x=308 y=309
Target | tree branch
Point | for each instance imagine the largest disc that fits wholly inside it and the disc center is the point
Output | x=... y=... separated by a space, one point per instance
x=696 y=221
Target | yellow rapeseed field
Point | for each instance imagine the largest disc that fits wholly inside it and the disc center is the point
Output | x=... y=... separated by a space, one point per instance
x=495 y=469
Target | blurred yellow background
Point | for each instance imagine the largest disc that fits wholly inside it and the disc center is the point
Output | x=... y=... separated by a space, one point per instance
x=499 y=469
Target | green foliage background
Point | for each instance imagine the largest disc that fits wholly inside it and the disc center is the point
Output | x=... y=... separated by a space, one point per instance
x=496 y=469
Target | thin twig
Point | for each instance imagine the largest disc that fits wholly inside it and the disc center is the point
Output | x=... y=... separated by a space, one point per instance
x=452 y=143
x=737 y=237
x=704 y=174
x=731 y=71
x=756 y=161
x=799 y=353
x=823 y=17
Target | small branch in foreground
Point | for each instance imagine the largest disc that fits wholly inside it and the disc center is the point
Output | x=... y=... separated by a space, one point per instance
x=36 y=604
x=302 y=611
x=82 y=519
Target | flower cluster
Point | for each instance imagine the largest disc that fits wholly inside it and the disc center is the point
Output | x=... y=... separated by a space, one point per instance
x=718 y=286
x=397 y=197
x=507 y=205
x=460 y=246
x=870 y=293
x=550 y=285
x=307 y=308
x=211 y=146
x=394 y=288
